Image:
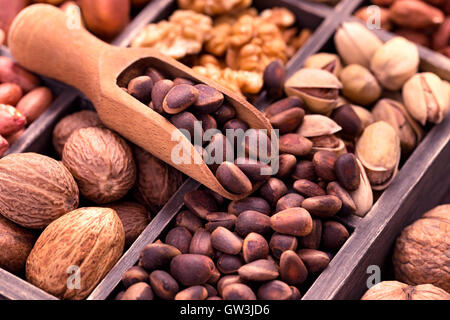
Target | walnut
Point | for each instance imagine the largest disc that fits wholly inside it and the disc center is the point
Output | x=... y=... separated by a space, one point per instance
x=422 y=251
x=394 y=290
x=254 y=43
x=182 y=35
x=214 y=7
x=236 y=80
x=281 y=17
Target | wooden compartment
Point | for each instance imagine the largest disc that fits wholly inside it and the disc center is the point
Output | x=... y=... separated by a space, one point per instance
x=420 y=185
x=313 y=16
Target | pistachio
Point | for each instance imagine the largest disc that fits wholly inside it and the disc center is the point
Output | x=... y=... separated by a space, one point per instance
x=364 y=115
x=426 y=98
x=315 y=125
x=328 y=143
x=356 y=44
x=379 y=152
x=325 y=61
x=318 y=88
x=395 y=62
x=359 y=85
x=394 y=113
x=363 y=196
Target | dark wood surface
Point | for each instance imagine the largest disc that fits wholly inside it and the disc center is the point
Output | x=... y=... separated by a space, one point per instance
x=413 y=190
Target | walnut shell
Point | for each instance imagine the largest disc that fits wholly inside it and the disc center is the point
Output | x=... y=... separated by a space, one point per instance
x=35 y=190
x=67 y=125
x=101 y=162
x=89 y=238
x=422 y=251
x=134 y=217
x=16 y=244
x=156 y=181
x=394 y=290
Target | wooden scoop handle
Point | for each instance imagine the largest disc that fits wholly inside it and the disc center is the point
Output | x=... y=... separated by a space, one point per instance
x=46 y=41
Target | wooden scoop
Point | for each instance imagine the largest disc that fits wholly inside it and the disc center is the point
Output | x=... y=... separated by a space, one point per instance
x=43 y=39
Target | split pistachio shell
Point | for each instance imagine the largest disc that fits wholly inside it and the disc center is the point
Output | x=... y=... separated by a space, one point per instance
x=326 y=61
x=315 y=125
x=338 y=147
x=364 y=114
x=394 y=113
x=378 y=149
x=395 y=62
x=363 y=196
x=359 y=84
x=356 y=44
x=318 y=88
x=426 y=98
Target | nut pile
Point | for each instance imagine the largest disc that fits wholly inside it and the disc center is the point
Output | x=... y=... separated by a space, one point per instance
x=228 y=41
x=196 y=109
x=105 y=18
x=380 y=137
x=255 y=248
x=421 y=261
x=425 y=22
x=120 y=185
x=22 y=100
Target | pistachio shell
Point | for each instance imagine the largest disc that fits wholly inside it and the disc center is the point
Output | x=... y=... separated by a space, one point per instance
x=326 y=84
x=315 y=125
x=356 y=44
x=313 y=78
x=394 y=113
x=395 y=62
x=341 y=101
x=426 y=97
x=378 y=149
x=365 y=115
x=359 y=84
x=363 y=196
x=325 y=61
x=338 y=150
